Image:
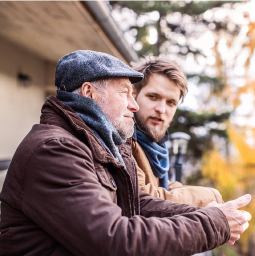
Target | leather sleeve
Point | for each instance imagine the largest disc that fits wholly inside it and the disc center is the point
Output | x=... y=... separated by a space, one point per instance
x=66 y=199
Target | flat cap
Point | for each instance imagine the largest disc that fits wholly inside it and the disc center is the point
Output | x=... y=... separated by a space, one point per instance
x=81 y=66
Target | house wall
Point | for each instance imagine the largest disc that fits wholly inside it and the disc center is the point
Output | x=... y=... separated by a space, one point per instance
x=19 y=105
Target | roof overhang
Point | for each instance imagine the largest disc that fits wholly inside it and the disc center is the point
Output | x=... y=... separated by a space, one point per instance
x=51 y=29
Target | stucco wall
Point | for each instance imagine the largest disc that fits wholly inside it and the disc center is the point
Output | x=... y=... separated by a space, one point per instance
x=19 y=105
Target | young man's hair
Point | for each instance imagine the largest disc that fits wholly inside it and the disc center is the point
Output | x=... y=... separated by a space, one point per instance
x=156 y=65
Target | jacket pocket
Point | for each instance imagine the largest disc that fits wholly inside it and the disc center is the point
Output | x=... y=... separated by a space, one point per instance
x=4 y=231
x=106 y=180
x=6 y=242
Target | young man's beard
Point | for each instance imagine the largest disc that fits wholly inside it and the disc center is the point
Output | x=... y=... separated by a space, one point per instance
x=156 y=133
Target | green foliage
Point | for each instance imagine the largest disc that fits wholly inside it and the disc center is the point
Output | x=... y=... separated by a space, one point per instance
x=186 y=121
x=148 y=49
x=216 y=83
x=164 y=7
x=194 y=9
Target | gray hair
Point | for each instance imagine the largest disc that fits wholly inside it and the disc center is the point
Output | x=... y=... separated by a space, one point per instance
x=100 y=84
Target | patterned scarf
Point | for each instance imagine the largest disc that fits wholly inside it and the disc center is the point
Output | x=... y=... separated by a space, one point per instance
x=94 y=117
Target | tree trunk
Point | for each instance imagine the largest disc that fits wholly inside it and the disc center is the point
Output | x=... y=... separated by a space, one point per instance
x=159 y=36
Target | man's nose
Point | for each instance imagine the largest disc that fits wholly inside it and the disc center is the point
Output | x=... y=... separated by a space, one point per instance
x=132 y=104
x=161 y=107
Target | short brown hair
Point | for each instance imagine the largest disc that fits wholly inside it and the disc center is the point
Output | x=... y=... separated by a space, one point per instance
x=156 y=65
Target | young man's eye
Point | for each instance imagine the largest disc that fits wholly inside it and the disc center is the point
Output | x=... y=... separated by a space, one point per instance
x=152 y=97
x=171 y=103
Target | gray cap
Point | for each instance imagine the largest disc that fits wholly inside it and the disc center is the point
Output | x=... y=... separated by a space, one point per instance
x=82 y=66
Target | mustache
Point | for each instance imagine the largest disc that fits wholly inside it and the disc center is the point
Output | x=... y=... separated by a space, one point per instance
x=157 y=117
x=129 y=113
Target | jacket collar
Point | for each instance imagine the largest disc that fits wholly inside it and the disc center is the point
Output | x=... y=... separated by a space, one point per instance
x=54 y=112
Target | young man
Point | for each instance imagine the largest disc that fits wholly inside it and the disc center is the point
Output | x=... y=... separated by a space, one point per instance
x=71 y=188
x=158 y=94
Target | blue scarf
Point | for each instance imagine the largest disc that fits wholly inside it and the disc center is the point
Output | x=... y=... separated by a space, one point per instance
x=157 y=156
x=94 y=117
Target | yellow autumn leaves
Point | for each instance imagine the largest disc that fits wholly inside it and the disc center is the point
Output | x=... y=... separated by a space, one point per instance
x=234 y=175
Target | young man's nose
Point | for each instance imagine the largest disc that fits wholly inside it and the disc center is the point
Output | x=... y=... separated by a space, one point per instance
x=132 y=104
x=161 y=107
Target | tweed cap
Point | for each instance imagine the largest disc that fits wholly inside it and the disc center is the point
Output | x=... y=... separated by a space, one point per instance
x=75 y=68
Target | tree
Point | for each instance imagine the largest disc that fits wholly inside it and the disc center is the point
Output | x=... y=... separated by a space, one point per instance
x=170 y=28
x=189 y=121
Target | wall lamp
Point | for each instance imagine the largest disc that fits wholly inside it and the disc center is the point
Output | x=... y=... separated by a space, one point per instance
x=24 y=79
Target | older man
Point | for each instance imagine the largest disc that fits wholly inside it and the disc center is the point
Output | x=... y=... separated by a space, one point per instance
x=72 y=189
x=158 y=95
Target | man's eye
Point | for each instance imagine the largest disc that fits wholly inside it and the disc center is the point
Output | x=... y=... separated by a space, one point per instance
x=171 y=103
x=152 y=97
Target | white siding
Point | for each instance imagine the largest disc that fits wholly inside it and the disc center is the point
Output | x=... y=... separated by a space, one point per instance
x=19 y=105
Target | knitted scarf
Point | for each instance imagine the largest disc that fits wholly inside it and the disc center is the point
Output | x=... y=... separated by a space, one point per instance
x=157 y=156
x=94 y=117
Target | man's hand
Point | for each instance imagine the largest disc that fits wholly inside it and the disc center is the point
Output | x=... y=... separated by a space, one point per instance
x=237 y=219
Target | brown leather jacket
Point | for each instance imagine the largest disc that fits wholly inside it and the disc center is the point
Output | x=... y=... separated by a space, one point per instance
x=149 y=183
x=65 y=195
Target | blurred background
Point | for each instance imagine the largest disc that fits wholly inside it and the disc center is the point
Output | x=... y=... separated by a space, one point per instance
x=213 y=42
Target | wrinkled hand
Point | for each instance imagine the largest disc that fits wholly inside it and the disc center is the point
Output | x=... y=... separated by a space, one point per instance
x=237 y=219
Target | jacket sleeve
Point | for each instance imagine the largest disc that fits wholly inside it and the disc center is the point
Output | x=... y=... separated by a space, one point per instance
x=65 y=198
x=193 y=195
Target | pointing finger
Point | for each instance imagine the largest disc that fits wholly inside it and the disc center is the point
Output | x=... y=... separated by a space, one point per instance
x=241 y=201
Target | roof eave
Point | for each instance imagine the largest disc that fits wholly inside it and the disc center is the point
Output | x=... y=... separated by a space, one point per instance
x=102 y=14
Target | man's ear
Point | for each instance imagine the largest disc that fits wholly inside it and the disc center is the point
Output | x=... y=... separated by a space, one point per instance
x=88 y=90
x=134 y=92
